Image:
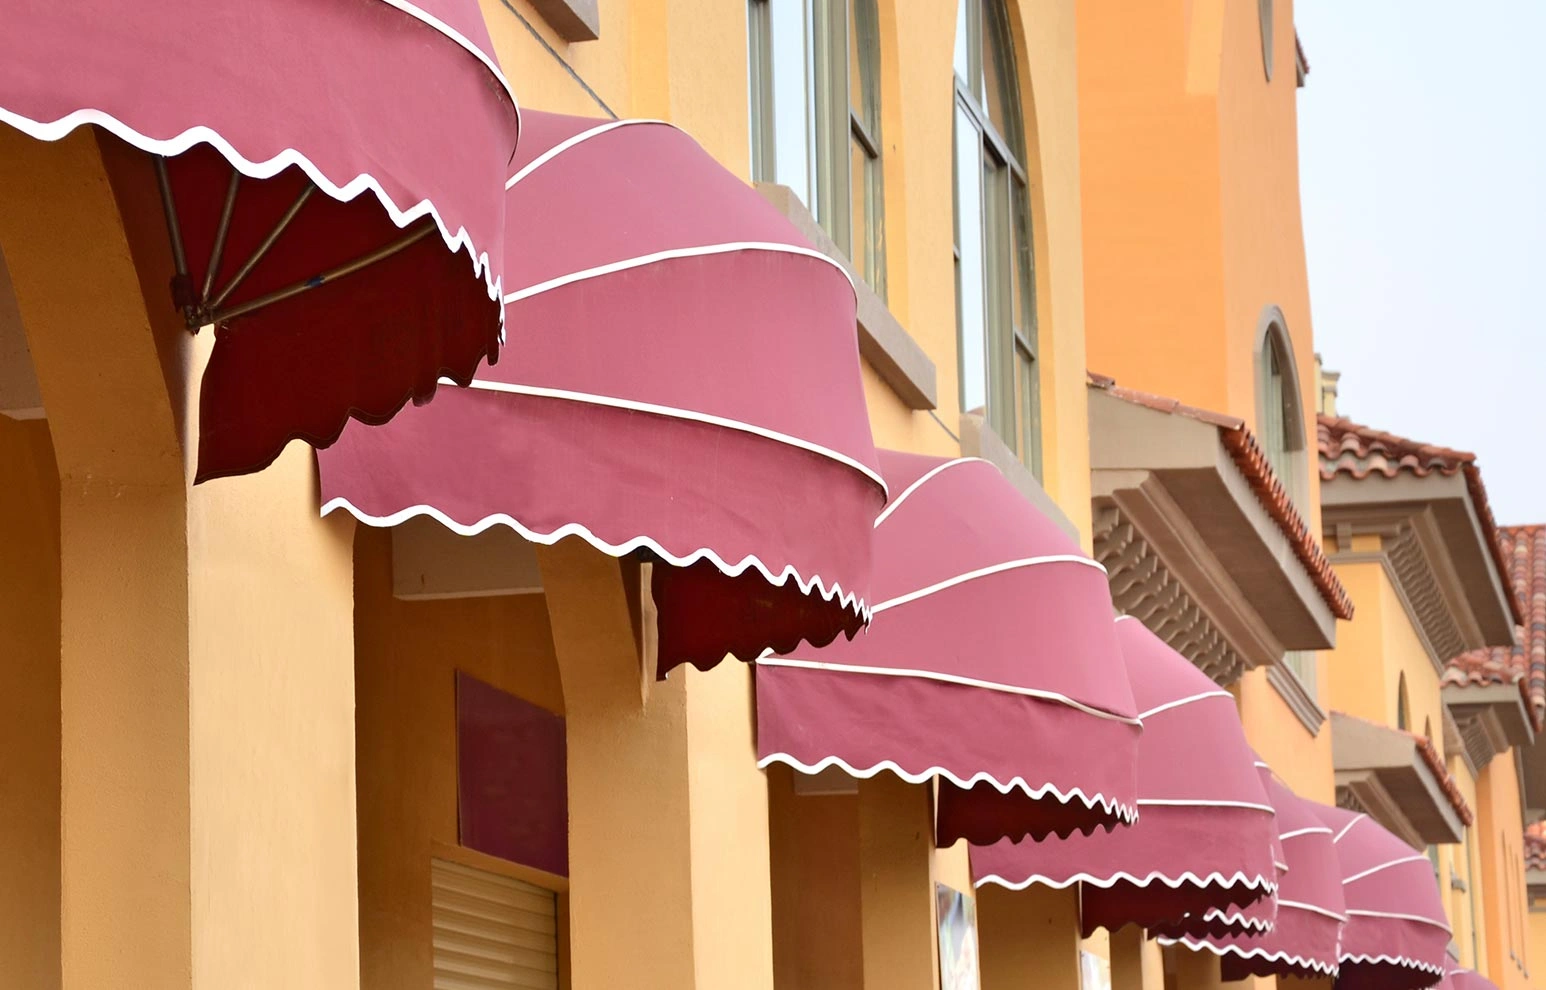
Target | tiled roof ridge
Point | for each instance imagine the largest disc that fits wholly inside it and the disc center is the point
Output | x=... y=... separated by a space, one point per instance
x=1435 y=761
x=1524 y=663
x=1248 y=456
x=1358 y=451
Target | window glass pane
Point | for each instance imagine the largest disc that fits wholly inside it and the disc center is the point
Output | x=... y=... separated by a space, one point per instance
x=789 y=30
x=858 y=100
x=1001 y=96
x=969 y=267
x=1027 y=388
x=759 y=89
x=1025 y=274
x=998 y=265
x=963 y=44
x=860 y=167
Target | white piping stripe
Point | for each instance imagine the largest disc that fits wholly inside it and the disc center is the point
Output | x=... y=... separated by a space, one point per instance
x=1312 y=908
x=896 y=503
x=364 y=182
x=698 y=251
x=1307 y=830
x=1107 y=805
x=1391 y=916
x=933 y=675
x=1177 y=703
x=850 y=601
x=1181 y=803
x=982 y=572
x=460 y=39
x=1185 y=879
x=570 y=142
x=1348 y=827
x=674 y=413
x=1383 y=866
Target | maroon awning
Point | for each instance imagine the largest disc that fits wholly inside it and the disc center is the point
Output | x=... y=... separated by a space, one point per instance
x=1310 y=910
x=1467 y=979
x=1204 y=838
x=1396 y=936
x=992 y=664
x=359 y=299
x=682 y=381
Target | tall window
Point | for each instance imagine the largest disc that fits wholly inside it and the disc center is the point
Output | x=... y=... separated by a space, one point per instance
x=815 y=117
x=1403 y=707
x=1281 y=427
x=995 y=279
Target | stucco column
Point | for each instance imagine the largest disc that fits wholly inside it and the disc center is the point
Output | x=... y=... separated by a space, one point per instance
x=668 y=813
x=1136 y=963
x=1030 y=938
x=896 y=899
x=1197 y=970
x=205 y=664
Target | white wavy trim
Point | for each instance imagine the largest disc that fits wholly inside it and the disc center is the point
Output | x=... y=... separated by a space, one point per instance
x=1109 y=806
x=928 y=476
x=458 y=241
x=768 y=660
x=1239 y=878
x=1179 y=702
x=668 y=254
x=1383 y=866
x=1280 y=956
x=982 y=572
x=1307 y=830
x=848 y=600
x=579 y=138
x=1234 y=916
x=1348 y=827
x=673 y=412
x=1406 y=961
x=1183 y=803
x=1393 y=916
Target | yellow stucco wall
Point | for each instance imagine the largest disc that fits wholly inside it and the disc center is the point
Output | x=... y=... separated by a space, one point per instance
x=1499 y=836
x=1376 y=651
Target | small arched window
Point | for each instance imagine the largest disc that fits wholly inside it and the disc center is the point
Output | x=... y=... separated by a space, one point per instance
x=1279 y=418
x=814 y=75
x=1264 y=15
x=995 y=273
x=1403 y=708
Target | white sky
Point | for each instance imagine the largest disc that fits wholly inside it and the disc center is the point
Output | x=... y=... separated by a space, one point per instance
x=1422 y=146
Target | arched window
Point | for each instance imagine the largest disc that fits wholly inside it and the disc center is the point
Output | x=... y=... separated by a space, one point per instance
x=814 y=74
x=1264 y=15
x=995 y=277
x=1403 y=709
x=1280 y=421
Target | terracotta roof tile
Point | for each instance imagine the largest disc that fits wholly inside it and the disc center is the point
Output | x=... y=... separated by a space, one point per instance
x=1355 y=450
x=1535 y=846
x=1435 y=762
x=1524 y=547
x=1249 y=457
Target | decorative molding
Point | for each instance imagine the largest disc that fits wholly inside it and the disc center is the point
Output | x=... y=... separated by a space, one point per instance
x=883 y=342
x=1143 y=587
x=1310 y=714
x=1407 y=566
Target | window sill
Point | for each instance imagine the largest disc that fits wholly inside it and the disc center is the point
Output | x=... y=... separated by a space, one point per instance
x=1293 y=692
x=883 y=342
x=574 y=20
x=979 y=440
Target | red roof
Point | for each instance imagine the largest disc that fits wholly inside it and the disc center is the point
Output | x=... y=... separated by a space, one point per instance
x=1358 y=451
x=1432 y=757
x=1524 y=547
x=1247 y=453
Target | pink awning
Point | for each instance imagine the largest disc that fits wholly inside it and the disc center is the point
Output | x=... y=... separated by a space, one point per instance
x=1204 y=838
x=395 y=111
x=1310 y=910
x=991 y=664
x=1396 y=936
x=1467 y=979
x=682 y=381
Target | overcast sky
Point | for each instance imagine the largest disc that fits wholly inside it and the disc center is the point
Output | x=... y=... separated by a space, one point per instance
x=1422 y=145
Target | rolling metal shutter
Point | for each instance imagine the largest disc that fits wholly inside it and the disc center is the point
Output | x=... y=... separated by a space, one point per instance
x=492 y=932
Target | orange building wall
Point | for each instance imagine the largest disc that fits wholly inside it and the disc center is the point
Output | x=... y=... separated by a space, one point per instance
x=1499 y=834
x=406 y=656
